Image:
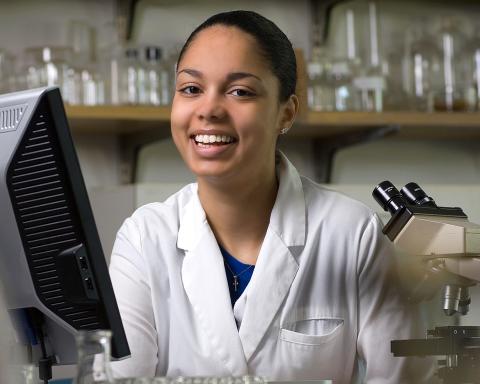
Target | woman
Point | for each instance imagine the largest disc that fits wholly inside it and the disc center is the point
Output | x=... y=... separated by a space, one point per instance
x=306 y=269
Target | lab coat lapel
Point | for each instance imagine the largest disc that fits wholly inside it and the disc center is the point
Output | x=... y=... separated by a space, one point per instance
x=276 y=265
x=205 y=284
x=274 y=273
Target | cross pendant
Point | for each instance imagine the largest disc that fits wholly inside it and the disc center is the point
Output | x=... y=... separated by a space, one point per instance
x=235 y=283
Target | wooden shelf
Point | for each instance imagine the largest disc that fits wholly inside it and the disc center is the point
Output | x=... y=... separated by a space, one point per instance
x=411 y=124
x=131 y=119
x=117 y=119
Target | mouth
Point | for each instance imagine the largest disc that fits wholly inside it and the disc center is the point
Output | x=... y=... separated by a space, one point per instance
x=206 y=141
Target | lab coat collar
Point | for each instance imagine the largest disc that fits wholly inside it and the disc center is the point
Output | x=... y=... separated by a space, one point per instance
x=288 y=215
x=287 y=218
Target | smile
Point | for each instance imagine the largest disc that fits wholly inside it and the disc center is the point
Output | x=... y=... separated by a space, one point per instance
x=204 y=140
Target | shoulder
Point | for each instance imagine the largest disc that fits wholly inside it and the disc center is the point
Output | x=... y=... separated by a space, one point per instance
x=335 y=207
x=162 y=216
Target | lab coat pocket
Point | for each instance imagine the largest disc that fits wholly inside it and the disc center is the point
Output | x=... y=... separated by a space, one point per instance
x=312 y=331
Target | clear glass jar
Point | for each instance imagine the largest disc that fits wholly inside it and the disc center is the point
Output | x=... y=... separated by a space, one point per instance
x=320 y=91
x=93 y=348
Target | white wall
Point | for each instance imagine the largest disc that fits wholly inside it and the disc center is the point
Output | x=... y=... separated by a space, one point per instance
x=169 y=23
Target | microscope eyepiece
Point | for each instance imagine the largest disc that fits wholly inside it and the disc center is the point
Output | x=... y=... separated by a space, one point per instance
x=389 y=198
x=416 y=195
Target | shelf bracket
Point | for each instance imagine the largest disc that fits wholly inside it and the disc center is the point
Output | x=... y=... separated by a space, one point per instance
x=130 y=146
x=324 y=149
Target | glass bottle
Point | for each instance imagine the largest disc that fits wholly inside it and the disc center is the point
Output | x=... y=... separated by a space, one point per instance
x=149 y=77
x=93 y=365
x=130 y=77
x=450 y=85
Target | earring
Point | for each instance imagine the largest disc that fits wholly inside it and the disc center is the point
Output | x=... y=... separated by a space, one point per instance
x=283 y=131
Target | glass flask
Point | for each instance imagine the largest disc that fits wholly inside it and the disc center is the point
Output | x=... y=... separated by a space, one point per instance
x=93 y=365
x=450 y=87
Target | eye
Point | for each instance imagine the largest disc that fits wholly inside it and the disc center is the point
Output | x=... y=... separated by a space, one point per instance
x=240 y=92
x=190 y=90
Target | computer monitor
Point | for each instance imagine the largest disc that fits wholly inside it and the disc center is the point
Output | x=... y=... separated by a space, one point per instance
x=51 y=259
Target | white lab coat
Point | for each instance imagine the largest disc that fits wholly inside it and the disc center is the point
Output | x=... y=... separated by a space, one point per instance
x=319 y=301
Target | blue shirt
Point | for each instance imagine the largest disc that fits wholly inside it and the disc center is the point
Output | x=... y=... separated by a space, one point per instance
x=243 y=273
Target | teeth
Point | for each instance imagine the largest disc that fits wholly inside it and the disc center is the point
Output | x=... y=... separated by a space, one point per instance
x=206 y=139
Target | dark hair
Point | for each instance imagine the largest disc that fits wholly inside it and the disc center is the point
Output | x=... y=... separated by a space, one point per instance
x=274 y=45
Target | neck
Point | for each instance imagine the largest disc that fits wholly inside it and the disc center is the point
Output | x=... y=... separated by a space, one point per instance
x=239 y=212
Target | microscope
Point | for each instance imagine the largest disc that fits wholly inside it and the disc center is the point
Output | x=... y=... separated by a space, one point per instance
x=444 y=249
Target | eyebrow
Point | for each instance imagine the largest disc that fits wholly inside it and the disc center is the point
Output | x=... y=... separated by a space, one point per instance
x=230 y=77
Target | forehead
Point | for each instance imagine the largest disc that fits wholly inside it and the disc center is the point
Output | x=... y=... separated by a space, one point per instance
x=225 y=46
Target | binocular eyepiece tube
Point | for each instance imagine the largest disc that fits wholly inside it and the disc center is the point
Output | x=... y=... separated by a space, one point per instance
x=392 y=200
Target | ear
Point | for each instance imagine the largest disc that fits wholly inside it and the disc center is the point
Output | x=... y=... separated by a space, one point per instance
x=288 y=112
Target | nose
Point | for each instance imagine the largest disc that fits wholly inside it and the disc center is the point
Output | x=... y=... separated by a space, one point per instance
x=211 y=108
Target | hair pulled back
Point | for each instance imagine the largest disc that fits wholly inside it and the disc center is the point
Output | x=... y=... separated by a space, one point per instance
x=273 y=43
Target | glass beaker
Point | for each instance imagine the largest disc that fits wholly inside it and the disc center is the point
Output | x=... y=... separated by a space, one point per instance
x=93 y=348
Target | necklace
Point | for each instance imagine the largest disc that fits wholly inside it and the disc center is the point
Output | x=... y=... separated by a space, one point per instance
x=235 y=276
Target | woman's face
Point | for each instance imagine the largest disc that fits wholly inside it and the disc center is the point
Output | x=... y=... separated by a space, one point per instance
x=225 y=114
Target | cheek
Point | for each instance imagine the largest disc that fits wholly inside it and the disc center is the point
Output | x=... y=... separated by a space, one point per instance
x=179 y=120
x=259 y=122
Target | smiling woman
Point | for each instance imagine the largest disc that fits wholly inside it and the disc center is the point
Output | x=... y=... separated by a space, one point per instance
x=254 y=269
